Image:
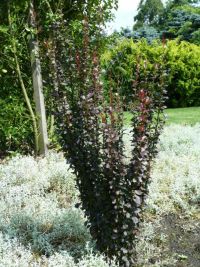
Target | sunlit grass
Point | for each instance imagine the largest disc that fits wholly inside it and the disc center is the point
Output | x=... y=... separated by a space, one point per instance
x=184 y=116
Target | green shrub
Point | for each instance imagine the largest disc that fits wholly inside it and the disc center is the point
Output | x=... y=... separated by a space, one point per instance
x=15 y=126
x=182 y=63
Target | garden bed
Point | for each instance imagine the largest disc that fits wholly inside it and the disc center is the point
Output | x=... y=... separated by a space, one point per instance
x=40 y=225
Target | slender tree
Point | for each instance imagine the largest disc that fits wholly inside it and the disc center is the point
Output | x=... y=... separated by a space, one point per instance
x=19 y=34
x=14 y=42
x=37 y=83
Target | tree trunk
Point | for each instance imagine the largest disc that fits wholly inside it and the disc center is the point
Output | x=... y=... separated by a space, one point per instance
x=20 y=77
x=38 y=86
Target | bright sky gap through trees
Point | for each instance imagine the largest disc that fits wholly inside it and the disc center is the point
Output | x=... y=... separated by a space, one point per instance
x=124 y=15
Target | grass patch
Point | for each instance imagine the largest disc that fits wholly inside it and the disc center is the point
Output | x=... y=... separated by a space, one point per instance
x=184 y=116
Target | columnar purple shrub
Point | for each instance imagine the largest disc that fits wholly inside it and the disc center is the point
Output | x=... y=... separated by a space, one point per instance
x=112 y=192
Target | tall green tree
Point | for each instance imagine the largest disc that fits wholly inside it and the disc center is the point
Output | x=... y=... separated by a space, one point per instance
x=178 y=19
x=149 y=12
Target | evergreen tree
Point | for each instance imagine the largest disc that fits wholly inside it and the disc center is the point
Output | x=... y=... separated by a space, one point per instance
x=182 y=21
x=174 y=3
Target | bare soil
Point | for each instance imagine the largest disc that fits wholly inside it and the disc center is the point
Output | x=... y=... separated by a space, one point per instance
x=183 y=238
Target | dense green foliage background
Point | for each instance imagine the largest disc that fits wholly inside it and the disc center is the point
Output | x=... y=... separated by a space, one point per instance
x=181 y=63
x=16 y=127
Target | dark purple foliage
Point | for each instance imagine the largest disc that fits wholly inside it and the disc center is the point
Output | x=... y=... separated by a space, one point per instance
x=112 y=192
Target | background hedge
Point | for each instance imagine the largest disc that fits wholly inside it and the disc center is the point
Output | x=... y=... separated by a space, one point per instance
x=182 y=65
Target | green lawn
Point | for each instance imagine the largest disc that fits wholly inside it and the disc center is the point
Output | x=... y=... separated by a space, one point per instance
x=177 y=115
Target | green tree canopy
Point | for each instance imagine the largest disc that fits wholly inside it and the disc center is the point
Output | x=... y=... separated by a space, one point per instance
x=149 y=12
x=178 y=19
x=182 y=21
